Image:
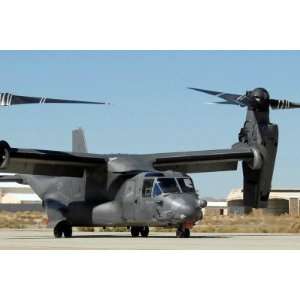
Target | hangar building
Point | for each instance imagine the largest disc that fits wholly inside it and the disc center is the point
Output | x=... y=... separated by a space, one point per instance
x=12 y=192
x=215 y=207
x=18 y=197
x=282 y=200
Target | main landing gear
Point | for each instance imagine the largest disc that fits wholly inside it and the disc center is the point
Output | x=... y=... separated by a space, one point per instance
x=63 y=228
x=139 y=230
x=182 y=232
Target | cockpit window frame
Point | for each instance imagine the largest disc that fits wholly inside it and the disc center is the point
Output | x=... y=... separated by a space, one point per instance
x=192 y=184
x=144 y=195
x=166 y=178
x=156 y=182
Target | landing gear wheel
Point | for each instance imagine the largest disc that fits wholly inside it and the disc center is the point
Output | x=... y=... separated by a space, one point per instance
x=68 y=231
x=63 y=228
x=135 y=231
x=57 y=231
x=183 y=233
x=187 y=233
x=144 y=231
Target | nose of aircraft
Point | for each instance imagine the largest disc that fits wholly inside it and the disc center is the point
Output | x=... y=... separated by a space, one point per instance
x=187 y=209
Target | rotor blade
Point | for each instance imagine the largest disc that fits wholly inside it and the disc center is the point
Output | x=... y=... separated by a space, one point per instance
x=224 y=102
x=283 y=104
x=7 y=99
x=231 y=98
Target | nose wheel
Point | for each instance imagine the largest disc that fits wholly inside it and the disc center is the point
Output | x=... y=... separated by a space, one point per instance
x=182 y=232
x=139 y=230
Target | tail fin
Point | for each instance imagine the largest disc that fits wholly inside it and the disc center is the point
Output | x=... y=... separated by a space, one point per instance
x=78 y=141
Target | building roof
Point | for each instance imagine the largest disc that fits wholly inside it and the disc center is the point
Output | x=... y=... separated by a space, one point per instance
x=218 y=204
x=19 y=198
x=276 y=193
x=13 y=192
x=25 y=196
x=13 y=185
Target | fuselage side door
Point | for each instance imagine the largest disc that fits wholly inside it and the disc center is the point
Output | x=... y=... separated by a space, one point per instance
x=145 y=203
x=130 y=200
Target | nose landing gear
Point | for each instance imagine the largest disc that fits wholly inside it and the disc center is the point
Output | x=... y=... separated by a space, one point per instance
x=139 y=230
x=183 y=233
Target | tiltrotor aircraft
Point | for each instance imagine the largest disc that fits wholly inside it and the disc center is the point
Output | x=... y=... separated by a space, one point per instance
x=138 y=191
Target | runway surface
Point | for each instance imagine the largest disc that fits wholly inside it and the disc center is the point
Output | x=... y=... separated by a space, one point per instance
x=24 y=239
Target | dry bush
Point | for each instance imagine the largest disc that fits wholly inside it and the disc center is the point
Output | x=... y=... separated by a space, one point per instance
x=101 y=229
x=85 y=229
x=256 y=222
x=112 y=229
x=163 y=229
x=22 y=219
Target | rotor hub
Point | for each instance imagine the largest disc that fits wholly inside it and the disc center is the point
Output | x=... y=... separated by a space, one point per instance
x=260 y=99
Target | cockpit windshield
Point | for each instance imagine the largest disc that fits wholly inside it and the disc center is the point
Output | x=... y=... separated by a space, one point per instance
x=153 y=187
x=168 y=185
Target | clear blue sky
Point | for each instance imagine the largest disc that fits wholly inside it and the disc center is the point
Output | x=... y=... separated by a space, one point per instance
x=151 y=111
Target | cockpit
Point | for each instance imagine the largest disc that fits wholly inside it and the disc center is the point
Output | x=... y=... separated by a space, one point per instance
x=156 y=184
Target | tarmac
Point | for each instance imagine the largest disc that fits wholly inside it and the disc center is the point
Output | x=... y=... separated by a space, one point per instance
x=42 y=239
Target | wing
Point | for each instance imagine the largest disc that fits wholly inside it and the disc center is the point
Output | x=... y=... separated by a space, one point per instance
x=47 y=162
x=70 y=164
x=202 y=161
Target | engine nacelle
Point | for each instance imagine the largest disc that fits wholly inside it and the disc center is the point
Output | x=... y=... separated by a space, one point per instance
x=262 y=137
x=4 y=154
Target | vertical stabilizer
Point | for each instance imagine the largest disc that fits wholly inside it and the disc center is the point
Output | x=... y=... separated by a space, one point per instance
x=78 y=141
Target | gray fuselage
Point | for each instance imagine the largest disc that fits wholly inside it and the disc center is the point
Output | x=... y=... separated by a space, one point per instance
x=144 y=199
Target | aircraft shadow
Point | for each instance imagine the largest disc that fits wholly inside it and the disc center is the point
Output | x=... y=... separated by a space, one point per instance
x=114 y=236
x=149 y=237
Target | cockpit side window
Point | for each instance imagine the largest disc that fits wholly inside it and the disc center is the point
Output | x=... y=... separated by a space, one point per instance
x=147 y=187
x=186 y=185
